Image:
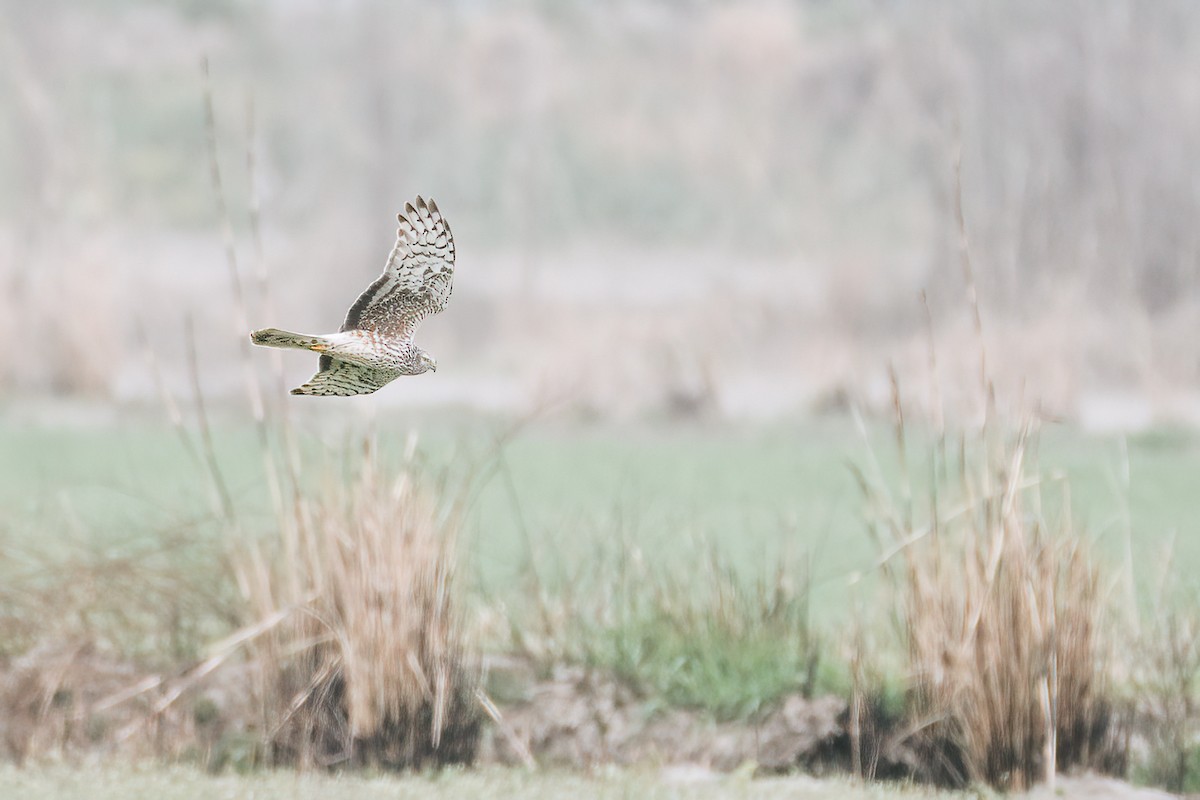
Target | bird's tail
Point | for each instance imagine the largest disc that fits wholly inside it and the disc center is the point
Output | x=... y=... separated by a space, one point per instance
x=273 y=337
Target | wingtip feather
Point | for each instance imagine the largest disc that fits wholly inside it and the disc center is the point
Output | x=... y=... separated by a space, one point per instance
x=415 y=213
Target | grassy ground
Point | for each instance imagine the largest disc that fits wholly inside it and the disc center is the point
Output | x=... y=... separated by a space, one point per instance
x=595 y=508
x=61 y=783
x=184 y=784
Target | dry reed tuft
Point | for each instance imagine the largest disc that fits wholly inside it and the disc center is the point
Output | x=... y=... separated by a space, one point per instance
x=371 y=665
x=1004 y=615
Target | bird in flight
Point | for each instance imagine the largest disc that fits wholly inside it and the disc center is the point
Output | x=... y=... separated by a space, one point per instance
x=375 y=344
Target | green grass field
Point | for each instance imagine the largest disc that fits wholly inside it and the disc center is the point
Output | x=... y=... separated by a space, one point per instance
x=755 y=493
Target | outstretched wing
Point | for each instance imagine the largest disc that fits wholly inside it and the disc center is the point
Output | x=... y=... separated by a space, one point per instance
x=417 y=280
x=343 y=379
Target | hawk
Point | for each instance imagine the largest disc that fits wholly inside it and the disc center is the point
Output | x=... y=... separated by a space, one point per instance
x=375 y=344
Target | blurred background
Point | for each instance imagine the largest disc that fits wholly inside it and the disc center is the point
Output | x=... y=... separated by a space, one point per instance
x=690 y=208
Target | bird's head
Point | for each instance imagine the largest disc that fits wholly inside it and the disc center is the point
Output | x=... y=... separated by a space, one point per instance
x=428 y=363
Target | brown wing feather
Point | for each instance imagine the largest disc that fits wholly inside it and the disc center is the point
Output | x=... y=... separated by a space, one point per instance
x=418 y=278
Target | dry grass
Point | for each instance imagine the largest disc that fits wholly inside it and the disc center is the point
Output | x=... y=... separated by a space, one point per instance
x=93 y=638
x=1166 y=677
x=344 y=643
x=1004 y=614
x=370 y=663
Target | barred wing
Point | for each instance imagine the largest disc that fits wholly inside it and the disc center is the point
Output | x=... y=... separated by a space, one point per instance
x=417 y=281
x=343 y=379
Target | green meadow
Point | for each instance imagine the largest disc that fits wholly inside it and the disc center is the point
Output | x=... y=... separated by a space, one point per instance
x=553 y=495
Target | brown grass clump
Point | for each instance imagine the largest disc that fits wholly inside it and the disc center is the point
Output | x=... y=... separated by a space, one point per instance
x=1004 y=616
x=369 y=663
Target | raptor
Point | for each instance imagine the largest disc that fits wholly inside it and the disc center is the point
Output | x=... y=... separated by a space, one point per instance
x=375 y=344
